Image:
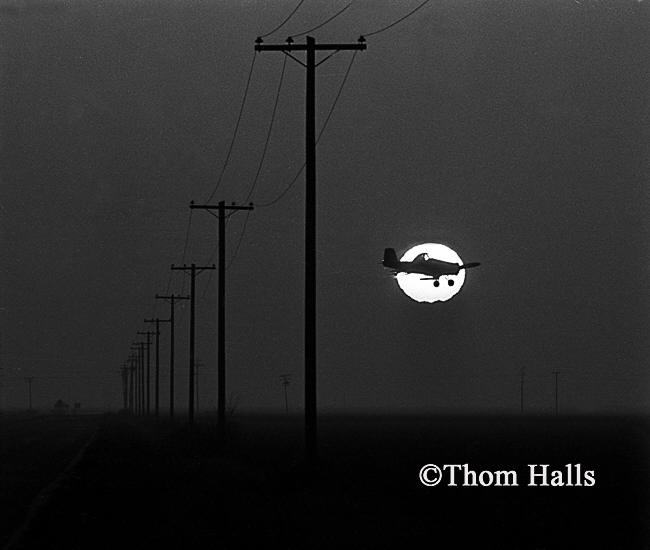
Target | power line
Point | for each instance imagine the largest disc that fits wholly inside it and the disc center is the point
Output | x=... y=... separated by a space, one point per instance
x=187 y=235
x=323 y=23
x=232 y=259
x=214 y=251
x=320 y=134
x=213 y=254
x=234 y=134
x=268 y=134
x=283 y=22
x=207 y=284
x=241 y=237
x=187 y=240
x=397 y=21
x=338 y=94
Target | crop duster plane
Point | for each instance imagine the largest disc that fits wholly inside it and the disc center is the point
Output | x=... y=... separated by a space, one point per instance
x=423 y=264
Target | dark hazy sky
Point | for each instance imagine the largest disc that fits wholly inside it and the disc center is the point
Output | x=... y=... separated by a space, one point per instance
x=514 y=132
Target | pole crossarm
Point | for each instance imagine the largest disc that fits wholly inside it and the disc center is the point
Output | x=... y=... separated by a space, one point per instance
x=186 y=267
x=232 y=206
x=304 y=47
x=172 y=297
x=157 y=320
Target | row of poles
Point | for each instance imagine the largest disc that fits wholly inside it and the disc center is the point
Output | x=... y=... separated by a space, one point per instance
x=136 y=375
x=137 y=396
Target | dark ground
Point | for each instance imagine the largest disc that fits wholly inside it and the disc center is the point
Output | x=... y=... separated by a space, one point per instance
x=147 y=485
x=33 y=450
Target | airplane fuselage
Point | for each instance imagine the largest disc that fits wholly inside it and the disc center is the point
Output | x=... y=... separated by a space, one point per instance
x=431 y=268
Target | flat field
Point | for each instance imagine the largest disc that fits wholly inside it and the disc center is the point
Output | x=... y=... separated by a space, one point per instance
x=148 y=484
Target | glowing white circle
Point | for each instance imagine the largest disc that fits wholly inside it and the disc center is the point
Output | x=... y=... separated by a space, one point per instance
x=425 y=291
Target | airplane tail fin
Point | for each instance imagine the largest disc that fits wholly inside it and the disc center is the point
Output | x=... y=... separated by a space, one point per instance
x=390 y=258
x=472 y=264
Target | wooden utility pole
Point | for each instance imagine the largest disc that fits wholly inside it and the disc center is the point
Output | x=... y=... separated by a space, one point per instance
x=124 y=371
x=140 y=377
x=29 y=380
x=286 y=380
x=157 y=375
x=194 y=271
x=221 y=208
x=131 y=381
x=172 y=325
x=148 y=334
x=136 y=377
x=310 y=48
x=198 y=365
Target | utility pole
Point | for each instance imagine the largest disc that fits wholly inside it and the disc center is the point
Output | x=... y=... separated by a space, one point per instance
x=157 y=377
x=29 y=380
x=140 y=376
x=198 y=365
x=221 y=304
x=310 y=48
x=148 y=334
x=131 y=380
x=286 y=380
x=556 y=373
x=135 y=366
x=1 y=380
x=124 y=371
x=171 y=299
x=194 y=270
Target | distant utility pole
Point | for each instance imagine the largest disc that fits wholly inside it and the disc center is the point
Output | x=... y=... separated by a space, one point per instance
x=521 y=389
x=131 y=381
x=157 y=377
x=140 y=376
x=124 y=371
x=194 y=270
x=198 y=365
x=148 y=334
x=135 y=366
x=29 y=380
x=221 y=304
x=171 y=299
x=556 y=373
x=310 y=49
x=286 y=380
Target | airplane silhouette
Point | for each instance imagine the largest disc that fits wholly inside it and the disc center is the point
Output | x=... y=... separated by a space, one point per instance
x=424 y=265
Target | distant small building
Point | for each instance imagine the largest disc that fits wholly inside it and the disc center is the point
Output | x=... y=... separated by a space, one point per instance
x=61 y=407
